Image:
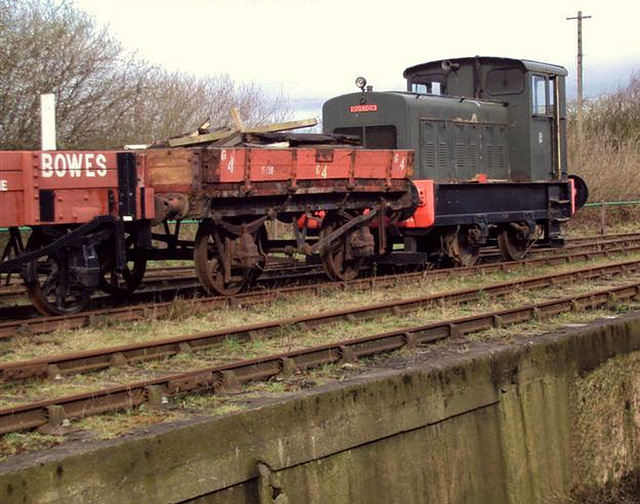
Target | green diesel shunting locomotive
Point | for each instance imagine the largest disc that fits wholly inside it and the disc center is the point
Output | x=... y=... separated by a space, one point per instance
x=491 y=135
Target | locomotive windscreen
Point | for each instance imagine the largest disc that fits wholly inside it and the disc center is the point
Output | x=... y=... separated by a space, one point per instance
x=373 y=137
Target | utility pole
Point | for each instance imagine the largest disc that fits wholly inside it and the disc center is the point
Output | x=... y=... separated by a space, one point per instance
x=579 y=17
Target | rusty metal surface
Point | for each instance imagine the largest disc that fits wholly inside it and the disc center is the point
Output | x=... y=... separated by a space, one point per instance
x=613 y=236
x=15 y=287
x=93 y=360
x=41 y=325
x=221 y=378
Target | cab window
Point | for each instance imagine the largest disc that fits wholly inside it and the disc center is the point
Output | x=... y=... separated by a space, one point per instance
x=419 y=87
x=434 y=84
x=539 y=89
x=504 y=81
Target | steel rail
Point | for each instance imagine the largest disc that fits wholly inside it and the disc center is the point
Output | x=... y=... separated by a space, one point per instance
x=99 y=359
x=159 y=291
x=170 y=274
x=224 y=378
x=614 y=236
x=40 y=325
x=174 y=273
x=182 y=279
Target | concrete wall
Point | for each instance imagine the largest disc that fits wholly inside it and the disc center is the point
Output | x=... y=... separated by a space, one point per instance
x=536 y=421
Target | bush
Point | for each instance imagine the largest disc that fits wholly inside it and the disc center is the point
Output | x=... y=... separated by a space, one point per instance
x=608 y=157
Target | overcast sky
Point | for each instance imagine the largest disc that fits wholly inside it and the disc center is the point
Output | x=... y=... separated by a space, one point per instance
x=314 y=49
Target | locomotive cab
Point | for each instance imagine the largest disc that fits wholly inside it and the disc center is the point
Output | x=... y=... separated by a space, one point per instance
x=532 y=93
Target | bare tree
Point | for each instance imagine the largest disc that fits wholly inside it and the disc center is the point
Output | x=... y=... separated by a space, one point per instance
x=105 y=97
x=617 y=114
x=609 y=154
x=181 y=102
x=50 y=47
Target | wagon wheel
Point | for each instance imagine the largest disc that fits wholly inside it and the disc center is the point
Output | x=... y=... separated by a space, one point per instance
x=211 y=250
x=334 y=257
x=461 y=249
x=52 y=286
x=12 y=249
x=513 y=244
x=125 y=282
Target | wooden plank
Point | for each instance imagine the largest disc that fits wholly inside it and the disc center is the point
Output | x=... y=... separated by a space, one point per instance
x=236 y=119
x=198 y=139
x=285 y=126
x=218 y=135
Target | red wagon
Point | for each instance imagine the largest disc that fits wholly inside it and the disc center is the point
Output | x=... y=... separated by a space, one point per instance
x=92 y=213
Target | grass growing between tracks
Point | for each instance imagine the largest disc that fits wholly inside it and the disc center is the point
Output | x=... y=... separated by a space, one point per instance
x=587 y=222
x=288 y=339
x=113 y=425
x=184 y=319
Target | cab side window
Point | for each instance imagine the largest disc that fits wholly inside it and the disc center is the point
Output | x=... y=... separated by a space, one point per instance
x=539 y=89
x=505 y=81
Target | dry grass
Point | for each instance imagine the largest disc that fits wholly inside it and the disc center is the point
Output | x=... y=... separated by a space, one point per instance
x=186 y=320
x=609 y=155
x=293 y=339
x=18 y=442
x=618 y=219
x=610 y=168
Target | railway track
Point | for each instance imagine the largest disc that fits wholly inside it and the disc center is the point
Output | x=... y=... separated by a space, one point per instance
x=167 y=283
x=30 y=326
x=15 y=286
x=162 y=274
x=157 y=277
x=166 y=289
x=94 y=360
x=51 y=413
x=588 y=238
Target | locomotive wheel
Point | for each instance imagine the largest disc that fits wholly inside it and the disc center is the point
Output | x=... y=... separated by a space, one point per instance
x=125 y=282
x=333 y=257
x=460 y=249
x=47 y=290
x=209 y=251
x=512 y=246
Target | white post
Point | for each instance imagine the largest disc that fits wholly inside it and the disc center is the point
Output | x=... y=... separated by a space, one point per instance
x=48 y=121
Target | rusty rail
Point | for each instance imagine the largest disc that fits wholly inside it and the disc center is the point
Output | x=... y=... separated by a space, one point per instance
x=94 y=360
x=40 y=325
x=220 y=379
x=588 y=238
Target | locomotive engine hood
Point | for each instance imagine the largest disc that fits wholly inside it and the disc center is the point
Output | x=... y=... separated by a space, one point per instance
x=400 y=120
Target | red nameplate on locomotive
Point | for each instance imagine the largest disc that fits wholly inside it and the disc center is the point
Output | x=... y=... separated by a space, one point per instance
x=354 y=109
